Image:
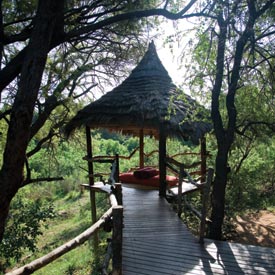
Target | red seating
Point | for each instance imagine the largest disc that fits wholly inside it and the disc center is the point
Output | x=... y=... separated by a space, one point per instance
x=146 y=176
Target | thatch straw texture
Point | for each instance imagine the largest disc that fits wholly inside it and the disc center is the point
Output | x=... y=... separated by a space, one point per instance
x=145 y=100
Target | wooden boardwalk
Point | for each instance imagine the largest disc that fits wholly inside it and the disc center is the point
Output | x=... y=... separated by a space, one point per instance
x=155 y=241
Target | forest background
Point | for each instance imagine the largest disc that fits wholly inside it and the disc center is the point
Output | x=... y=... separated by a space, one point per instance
x=84 y=57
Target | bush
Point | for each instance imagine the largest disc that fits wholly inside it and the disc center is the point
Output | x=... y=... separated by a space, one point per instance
x=24 y=225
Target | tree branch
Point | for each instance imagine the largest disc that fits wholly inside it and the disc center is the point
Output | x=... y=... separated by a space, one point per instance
x=215 y=113
x=234 y=79
x=129 y=16
x=1 y=35
x=13 y=68
x=38 y=147
x=86 y=91
x=249 y=124
x=248 y=149
x=4 y=114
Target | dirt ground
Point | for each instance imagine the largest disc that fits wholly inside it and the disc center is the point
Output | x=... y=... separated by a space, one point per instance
x=256 y=228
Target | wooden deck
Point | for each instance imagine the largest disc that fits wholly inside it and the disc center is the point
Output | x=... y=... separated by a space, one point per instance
x=155 y=241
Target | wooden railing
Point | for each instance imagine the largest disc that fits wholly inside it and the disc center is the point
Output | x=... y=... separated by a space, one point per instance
x=114 y=188
x=188 y=185
x=114 y=213
x=113 y=160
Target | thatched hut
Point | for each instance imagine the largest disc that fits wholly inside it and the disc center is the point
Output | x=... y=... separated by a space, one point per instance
x=146 y=103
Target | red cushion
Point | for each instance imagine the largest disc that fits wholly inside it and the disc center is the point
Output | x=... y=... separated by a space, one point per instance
x=153 y=181
x=146 y=173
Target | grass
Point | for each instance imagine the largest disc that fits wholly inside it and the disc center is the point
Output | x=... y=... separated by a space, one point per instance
x=73 y=216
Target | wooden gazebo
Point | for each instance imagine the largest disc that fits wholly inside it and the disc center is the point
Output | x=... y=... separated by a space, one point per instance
x=146 y=103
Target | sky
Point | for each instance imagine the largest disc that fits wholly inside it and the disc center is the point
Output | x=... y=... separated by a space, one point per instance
x=171 y=53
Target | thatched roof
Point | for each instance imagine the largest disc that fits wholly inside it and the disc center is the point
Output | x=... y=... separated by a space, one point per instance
x=144 y=100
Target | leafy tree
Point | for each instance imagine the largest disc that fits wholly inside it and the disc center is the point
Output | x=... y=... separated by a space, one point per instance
x=45 y=47
x=24 y=226
x=235 y=44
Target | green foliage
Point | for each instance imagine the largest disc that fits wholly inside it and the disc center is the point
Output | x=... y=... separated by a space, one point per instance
x=252 y=187
x=63 y=159
x=24 y=225
x=73 y=216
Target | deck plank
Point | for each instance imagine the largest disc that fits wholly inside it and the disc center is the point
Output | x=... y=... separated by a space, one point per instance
x=156 y=241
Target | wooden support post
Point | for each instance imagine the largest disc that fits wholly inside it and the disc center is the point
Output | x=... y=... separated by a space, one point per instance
x=91 y=172
x=117 y=239
x=91 y=182
x=117 y=169
x=206 y=191
x=141 y=148
x=162 y=161
x=180 y=190
x=118 y=193
x=203 y=159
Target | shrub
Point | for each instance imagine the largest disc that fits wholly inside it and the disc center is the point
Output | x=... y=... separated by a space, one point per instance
x=24 y=225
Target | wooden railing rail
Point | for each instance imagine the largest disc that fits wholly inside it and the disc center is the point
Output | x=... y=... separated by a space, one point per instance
x=110 y=158
x=116 y=200
x=171 y=161
x=179 y=169
x=63 y=249
x=185 y=154
x=115 y=212
x=113 y=176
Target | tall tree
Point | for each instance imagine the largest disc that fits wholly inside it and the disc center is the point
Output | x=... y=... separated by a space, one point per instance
x=33 y=32
x=236 y=39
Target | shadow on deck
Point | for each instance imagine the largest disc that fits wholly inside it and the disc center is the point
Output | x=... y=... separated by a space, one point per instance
x=156 y=241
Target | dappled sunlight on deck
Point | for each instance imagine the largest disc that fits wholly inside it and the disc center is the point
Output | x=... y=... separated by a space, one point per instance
x=155 y=241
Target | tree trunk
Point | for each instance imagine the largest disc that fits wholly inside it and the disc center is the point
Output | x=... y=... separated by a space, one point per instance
x=11 y=174
x=218 y=194
x=225 y=137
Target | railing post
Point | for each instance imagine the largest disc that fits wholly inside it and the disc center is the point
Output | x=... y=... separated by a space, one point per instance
x=91 y=183
x=180 y=190
x=162 y=161
x=116 y=176
x=118 y=193
x=206 y=191
x=203 y=159
x=117 y=239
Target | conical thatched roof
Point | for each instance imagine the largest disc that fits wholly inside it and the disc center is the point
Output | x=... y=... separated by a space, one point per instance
x=146 y=99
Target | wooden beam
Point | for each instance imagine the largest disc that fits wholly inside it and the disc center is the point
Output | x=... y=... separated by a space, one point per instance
x=117 y=239
x=141 y=148
x=89 y=154
x=91 y=182
x=203 y=159
x=162 y=161
x=116 y=176
x=91 y=172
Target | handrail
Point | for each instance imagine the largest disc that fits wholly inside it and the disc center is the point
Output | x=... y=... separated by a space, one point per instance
x=115 y=211
x=108 y=158
x=63 y=249
x=179 y=168
x=185 y=154
x=151 y=153
x=189 y=153
x=112 y=179
x=178 y=164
